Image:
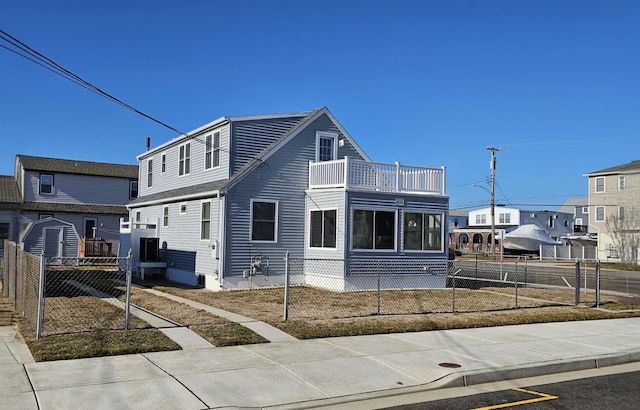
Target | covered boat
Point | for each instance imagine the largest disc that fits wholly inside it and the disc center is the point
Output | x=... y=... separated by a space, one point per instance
x=527 y=238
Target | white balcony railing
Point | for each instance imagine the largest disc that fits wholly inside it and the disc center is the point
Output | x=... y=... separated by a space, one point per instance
x=376 y=176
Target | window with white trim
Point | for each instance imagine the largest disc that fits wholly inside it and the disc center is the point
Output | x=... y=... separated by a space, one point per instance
x=183 y=209
x=481 y=219
x=165 y=216
x=46 y=184
x=374 y=229
x=585 y=209
x=264 y=220
x=599 y=184
x=133 y=189
x=422 y=232
x=212 y=151
x=599 y=213
x=504 y=218
x=184 y=161
x=326 y=147
x=150 y=173
x=621 y=183
x=205 y=221
x=163 y=163
x=323 y=229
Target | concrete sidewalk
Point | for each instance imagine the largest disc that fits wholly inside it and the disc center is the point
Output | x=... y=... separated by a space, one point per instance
x=309 y=373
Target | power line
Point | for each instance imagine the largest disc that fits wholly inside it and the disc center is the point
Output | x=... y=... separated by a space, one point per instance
x=25 y=51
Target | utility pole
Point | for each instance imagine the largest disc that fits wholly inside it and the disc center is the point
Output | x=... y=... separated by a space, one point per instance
x=492 y=167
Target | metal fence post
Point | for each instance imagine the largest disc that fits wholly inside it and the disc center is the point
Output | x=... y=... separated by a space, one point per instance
x=577 y=282
x=127 y=307
x=378 y=302
x=286 y=286
x=597 y=285
x=453 y=291
x=516 y=289
x=41 y=285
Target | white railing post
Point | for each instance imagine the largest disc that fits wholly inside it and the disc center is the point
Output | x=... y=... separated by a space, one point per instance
x=397 y=176
x=346 y=172
x=444 y=180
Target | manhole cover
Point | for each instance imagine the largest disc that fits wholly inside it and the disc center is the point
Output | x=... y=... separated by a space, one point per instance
x=450 y=365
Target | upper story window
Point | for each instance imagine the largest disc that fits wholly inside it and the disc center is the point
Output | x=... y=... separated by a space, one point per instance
x=621 y=183
x=585 y=209
x=374 y=229
x=264 y=220
x=422 y=232
x=183 y=209
x=323 y=229
x=150 y=173
x=165 y=216
x=163 y=163
x=212 y=151
x=326 y=146
x=205 y=221
x=621 y=213
x=481 y=219
x=133 y=189
x=184 y=165
x=600 y=213
x=599 y=184
x=46 y=184
x=504 y=218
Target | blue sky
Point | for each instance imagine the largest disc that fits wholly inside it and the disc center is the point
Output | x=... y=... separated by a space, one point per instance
x=428 y=83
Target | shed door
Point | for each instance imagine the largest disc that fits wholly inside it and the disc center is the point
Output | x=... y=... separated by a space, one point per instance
x=53 y=239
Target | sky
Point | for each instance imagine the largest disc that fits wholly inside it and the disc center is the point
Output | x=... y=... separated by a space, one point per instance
x=555 y=84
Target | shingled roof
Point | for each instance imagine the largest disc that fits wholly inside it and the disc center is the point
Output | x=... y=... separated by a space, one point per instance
x=618 y=169
x=68 y=166
x=9 y=194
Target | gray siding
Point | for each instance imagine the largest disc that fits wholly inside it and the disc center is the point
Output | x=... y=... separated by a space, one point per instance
x=284 y=177
x=327 y=200
x=250 y=138
x=78 y=189
x=184 y=249
x=198 y=174
x=33 y=241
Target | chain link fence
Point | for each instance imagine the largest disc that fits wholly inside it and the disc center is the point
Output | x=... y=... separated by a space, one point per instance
x=85 y=294
x=21 y=280
x=364 y=287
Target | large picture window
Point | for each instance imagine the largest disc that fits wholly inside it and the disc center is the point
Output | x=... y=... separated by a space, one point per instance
x=323 y=229
x=205 y=221
x=264 y=221
x=422 y=232
x=374 y=229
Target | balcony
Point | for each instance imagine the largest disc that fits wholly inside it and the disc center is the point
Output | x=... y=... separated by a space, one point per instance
x=375 y=176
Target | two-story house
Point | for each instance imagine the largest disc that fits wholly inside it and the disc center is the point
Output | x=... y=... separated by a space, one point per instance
x=62 y=201
x=614 y=209
x=248 y=188
x=9 y=208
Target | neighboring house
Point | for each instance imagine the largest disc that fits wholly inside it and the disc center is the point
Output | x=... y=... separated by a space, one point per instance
x=476 y=237
x=235 y=195
x=62 y=201
x=9 y=207
x=614 y=209
x=580 y=209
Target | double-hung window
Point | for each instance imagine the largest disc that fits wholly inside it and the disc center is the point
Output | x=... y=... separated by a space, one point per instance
x=150 y=173
x=374 y=229
x=184 y=162
x=599 y=184
x=165 y=216
x=422 y=232
x=323 y=229
x=46 y=184
x=621 y=183
x=133 y=189
x=163 y=163
x=264 y=220
x=205 y=221
x=600 y=213
x=212 y=151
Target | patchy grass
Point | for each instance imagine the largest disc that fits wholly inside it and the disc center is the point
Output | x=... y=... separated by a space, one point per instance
x=99 y=343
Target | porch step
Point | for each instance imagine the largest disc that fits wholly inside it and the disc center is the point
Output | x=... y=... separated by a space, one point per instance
x=7 y=313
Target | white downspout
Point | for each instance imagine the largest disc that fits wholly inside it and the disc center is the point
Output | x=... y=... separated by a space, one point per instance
x=221 y=237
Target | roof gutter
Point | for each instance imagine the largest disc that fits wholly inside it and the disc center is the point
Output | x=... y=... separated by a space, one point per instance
x=209 y=194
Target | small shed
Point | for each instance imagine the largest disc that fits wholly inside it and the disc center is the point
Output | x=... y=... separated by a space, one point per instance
x=52 y=237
